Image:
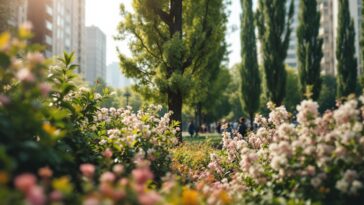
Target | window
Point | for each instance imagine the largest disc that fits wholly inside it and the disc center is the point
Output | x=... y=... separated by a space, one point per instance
x=49 y=25
x=49 y=10
x=48 y=40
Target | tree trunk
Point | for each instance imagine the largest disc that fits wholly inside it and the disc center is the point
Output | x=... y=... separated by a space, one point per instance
x=251 y=115
x=175 y=105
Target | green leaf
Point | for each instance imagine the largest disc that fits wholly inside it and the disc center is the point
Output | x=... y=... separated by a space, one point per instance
x=4 y=60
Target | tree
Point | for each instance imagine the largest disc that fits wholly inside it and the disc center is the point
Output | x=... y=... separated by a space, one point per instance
x=345 y=52
x=362 y=38
x=274 y=30
x=207 y=85
x=327 y=98
x=249 y=70
x=170 y=43
x=292 y=90
x=309 y=49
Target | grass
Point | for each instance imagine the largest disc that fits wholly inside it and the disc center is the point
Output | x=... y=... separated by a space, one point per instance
x=210 y=138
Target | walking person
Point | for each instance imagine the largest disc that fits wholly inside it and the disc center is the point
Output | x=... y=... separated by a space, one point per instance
x=191 y=129
x=242 y=129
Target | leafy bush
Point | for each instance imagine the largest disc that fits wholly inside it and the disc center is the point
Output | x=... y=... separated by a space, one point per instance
x=318 y=160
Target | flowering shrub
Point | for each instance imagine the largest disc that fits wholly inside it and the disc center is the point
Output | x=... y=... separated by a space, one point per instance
x=125 y=136
x=47 y=121
x=318 y=160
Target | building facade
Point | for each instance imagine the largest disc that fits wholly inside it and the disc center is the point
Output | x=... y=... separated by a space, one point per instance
x=329 y=25
x=291 y=59
x=57 y=24
x=115 y=78
x=95 y=55
x=327 y=34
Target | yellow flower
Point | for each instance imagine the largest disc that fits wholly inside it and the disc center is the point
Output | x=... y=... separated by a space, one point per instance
x=190 y=197
x=4 y=40
x=25 y=30
x=4 y=178
x=49 y=129
x=224 y=198
x=63 y=185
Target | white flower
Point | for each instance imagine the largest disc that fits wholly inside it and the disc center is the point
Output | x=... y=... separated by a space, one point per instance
x=355 y=186
x=307 y=112
x=316 y=182
x=342 y=185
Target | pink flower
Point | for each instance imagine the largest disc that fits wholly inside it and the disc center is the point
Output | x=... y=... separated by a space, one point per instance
x=107 y=153
x=91 y=201
x=107 y=177
x=4 y=100
x=149 y=198
x=87 y=170
x=35 y=58
x=118 y=195
x=36 y=196
x=45 y=172
x=25 y=182
x=106 y=189
x=55 y=196
x=118 y=169
x=25 y=75
x=45 y=88
x=142 y=175
x=123 y=181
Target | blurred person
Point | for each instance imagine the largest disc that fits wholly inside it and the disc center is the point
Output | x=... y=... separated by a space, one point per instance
x=191 y=128
x=242 y=129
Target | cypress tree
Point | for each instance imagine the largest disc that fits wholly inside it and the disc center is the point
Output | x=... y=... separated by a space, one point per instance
x=345 y=52
x=249 y=70
x=309 y=49
x=362 y=35
x=274 y=26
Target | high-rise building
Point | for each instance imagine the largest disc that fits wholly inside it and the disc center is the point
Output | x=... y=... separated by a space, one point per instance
x=12 y=14
x=329 y=25
x=95 y=55
x=57 y=24
x=291 y=59
x=327 y=34
x=115 y=78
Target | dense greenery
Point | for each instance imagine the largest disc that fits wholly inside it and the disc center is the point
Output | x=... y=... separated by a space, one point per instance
x=309 y=47
x=171 y=43
x=345 y=52
x=249 y=71
x=274 y=21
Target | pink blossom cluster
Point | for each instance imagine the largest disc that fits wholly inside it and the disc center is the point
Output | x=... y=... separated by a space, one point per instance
x=309 y=153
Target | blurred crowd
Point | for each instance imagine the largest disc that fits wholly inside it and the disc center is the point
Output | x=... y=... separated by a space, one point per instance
x=241 y=126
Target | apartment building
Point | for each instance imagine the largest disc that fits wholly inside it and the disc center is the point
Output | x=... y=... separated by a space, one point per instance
x=95 y=55
x=57 y=24
x=329 y=25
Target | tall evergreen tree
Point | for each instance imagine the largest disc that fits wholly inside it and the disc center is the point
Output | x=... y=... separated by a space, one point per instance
x=274 y=25
x=345 y=52
x=309 y=50
x=362 y=44
x=249 y=71
x=171 y=41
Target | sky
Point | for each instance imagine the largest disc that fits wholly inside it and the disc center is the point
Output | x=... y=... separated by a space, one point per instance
x=105 y=15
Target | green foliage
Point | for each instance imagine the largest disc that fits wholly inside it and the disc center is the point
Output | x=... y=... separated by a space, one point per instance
x=345 y=52
x=309 y=49
x=327 y=98
x=234 y=94
x=249 y=72
x=171 y=44
x=293 y=97
x=362 y=44
x=274 y=26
